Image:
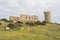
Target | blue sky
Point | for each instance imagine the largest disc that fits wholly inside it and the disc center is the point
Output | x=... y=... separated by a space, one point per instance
x=31 y=7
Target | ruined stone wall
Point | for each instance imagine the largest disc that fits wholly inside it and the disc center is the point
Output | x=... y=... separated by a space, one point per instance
x=23 y=18
x=14 y=18
x=28 y=18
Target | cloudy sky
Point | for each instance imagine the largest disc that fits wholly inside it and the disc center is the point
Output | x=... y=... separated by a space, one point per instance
x=31 y=7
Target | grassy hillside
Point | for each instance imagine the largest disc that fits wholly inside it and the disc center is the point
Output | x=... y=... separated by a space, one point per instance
x=40 y=32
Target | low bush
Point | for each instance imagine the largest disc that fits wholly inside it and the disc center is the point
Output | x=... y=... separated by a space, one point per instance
x=30 y=24
x=0 y=23
x=4 y=20
x=11 y=26
x=38 y=23
x=43 y=23
x=14 y=26
x=19 y=22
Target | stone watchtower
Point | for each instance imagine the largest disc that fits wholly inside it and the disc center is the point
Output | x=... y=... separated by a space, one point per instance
x=47 y=16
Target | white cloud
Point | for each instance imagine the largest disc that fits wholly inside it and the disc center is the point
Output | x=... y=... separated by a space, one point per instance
x=37 y=7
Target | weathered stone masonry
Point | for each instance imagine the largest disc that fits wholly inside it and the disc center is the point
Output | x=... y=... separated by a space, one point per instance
x=47 y=16
x=34 y=18
x=23 y=18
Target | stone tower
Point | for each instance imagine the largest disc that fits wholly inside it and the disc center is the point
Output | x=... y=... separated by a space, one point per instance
x=47 y=16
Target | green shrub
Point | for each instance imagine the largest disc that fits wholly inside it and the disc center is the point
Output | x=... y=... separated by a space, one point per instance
x=38 y=23
x=30 y=24
x=43 y=22
x=19 y=22
x=0 y=23
x=11 y=26
x=4 y=20
x=56 y=23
